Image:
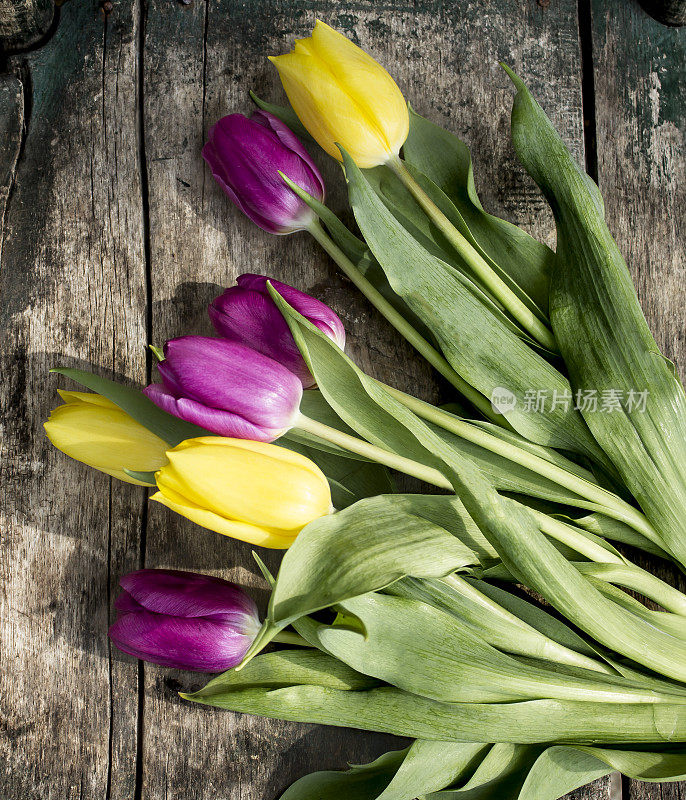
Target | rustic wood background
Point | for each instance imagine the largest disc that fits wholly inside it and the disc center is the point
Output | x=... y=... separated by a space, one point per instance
x=115 y=236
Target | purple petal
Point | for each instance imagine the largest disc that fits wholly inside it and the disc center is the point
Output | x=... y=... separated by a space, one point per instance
x=291 y=141
x=187 y=594
x=245 y=157
x=314 y=310
x=252 y=318
x=218 y=421
x=231 y=377
x=197 y=644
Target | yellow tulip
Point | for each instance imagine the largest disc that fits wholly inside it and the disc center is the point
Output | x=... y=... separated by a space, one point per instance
x=259 y=493
x=92 y=429
x=342 y=95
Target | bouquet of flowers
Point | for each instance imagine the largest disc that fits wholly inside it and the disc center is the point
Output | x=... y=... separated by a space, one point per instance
x=495 y=618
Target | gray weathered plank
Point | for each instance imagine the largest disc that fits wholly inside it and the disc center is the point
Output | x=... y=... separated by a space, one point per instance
x=199 y=62
x=640 y=68
x=24 y=22
x=72 y=284
x=11 y=126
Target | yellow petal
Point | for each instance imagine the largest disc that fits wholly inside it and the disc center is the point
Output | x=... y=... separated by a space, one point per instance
x=343 y=96
x=214 y=522
x=251 y=482
x=366 y=82
x=91 y=429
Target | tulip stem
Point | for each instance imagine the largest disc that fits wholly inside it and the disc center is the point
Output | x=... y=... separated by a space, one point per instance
x=289 y=637
x=372 y=452
x=479 y=266
x=591 y=495
x=403 y=327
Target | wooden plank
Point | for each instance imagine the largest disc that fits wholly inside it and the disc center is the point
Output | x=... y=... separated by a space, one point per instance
x=200 y=60
x=72 y=283
x=24 y=22
x=11 y=126
x=641 y=138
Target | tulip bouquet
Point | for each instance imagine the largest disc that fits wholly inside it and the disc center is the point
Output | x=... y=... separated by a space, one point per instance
x=405 y=613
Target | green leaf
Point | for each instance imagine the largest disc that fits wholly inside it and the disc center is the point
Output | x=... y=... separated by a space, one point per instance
x=366 y=547
x=479 y=347
x=445 y=159
x=169 y=428
x=397 y=775
x=452 y=663
x=314 y=687
x=603 y=334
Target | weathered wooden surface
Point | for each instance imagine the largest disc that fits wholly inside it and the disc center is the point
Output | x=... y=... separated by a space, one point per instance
x=115 y=236
x=640 y=96
x=24 y=22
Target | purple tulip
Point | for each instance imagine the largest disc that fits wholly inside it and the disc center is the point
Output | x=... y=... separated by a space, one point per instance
x=226 y=388
x=246 y=313
x=184 y=620
x=246 y=156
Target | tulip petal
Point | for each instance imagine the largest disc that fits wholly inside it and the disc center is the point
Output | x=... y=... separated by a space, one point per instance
x=228 y=527
x=188 y=594
x=197 y=644
x=246 y=156
x=227 y=387
x=249 y=317
x=221 y=422
x=103 y=436
x=314 y=310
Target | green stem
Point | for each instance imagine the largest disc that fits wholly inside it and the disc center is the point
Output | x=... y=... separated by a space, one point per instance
x=479 y=266
x=371 y=451
x=575 y=539
x=591 y=495
x=288 y=637
x=396 y=319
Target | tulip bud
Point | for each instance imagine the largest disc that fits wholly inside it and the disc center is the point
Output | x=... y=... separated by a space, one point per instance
x=256 y=492
x=246 y=313
x=227 y=388
x=92 y=429
x=343 y=96
x=246 y=156
x=184 y=620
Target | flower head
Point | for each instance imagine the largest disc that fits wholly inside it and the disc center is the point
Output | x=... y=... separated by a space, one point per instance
x=246 y=156
x=227 y=388
x=92 y=429
x=184 y=620
x=343 y=96
x=256 y=492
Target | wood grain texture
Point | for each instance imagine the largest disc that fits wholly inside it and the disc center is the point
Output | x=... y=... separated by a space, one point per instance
x=640 y=67
x=24 y=22
x=116 y=235
x=72 y=283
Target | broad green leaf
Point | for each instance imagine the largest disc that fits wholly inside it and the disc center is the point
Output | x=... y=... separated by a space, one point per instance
x=364 y=782
x=497 y=622
x=603 y=335
x=364 y=548
x=480 y=348
x=452 y=663
x=445 y=159
x=511 y=528
x=305 y=694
